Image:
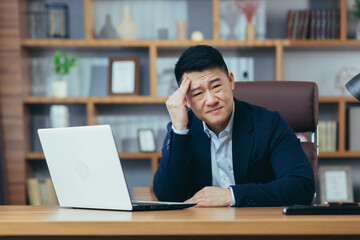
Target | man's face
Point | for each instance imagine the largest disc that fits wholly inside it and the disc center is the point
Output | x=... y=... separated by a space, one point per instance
x=210 y=96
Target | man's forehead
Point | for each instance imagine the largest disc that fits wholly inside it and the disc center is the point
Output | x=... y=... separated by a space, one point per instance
x=200 y=75
x=205 y=76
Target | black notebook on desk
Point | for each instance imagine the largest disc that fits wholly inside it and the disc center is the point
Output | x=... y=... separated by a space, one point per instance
x=321 y=210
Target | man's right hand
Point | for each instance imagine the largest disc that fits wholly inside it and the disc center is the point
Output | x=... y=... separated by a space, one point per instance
x=176 y=105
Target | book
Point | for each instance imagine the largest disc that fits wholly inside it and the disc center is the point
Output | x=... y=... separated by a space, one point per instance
x=328 y=24
x=318 y=25
x=304 y=34
x=331 y=136
x=322 y=138
x=290 y=23
x=51 y=190
x=354 y=129
x=234 y=67
x=33 y=191
x=241 y=67
x=244 y=71
x=327 y=136
x=295 y=24
x=300 y=25
x=323 y=24
x=246 y=66
x=251 y=63
x=337 y=24
x=44 y=193
x=312 y=24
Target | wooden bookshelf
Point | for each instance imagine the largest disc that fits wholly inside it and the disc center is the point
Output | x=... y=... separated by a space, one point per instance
x=16 y=103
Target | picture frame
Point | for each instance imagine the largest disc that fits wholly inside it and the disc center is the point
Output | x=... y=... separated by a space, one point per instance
x=336 y=184
x=123 y=76
x=57 y=20
x=146 y=138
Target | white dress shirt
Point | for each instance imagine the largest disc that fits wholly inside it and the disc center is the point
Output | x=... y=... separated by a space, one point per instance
x=221 y=155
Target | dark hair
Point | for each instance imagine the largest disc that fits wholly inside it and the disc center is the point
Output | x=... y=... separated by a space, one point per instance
x=199 y=58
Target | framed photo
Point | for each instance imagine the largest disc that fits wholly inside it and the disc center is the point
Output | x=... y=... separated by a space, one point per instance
x=146 y=139
x=336 y=184
x=57 y=20
x=124 y=75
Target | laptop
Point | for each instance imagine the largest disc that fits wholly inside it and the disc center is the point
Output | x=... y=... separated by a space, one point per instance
x=85 y=168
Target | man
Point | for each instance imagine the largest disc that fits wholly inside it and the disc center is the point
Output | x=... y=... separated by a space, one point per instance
x=224 y=152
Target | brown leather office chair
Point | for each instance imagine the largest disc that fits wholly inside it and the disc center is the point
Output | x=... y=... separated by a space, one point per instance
x=297 y=103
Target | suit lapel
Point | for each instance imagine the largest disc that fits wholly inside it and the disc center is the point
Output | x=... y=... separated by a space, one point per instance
x=242 y=141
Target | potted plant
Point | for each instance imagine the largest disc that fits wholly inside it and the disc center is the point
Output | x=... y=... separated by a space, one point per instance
x=62 y=63
x=356 y=12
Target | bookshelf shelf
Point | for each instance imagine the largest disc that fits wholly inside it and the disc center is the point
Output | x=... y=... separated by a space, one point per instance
x=319 y=43
x=96 y=100
x=342 y=154
x=49 y=100
x=33 y=43
x=331 y=99
x=141 y=99
x=143 y=43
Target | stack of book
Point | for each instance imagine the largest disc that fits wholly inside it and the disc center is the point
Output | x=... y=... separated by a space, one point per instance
x=313 y=24
x=327 y=136
x=41 y=191
x=143 y=194
x=241 y=67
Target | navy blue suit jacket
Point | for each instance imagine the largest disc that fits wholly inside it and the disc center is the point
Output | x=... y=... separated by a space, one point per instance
x=270 y=167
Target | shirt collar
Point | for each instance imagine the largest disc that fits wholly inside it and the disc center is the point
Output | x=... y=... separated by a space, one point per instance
x=228 y=128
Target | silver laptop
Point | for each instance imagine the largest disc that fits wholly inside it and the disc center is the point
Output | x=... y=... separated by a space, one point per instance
x=85 y=168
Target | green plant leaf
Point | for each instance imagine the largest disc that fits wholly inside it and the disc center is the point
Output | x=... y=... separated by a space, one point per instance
x=356 y=11
x=62 y=63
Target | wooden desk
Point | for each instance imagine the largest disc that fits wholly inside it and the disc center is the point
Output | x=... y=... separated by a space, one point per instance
x=203 y=223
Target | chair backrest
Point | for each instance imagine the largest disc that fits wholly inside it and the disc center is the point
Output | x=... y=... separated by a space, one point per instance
x=297 y=103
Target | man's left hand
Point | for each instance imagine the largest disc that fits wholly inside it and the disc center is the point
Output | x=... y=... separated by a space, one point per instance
x=212 y=197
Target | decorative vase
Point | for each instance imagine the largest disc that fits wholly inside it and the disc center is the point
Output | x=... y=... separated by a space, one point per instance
x=108 y=30
x=59 y=116
x=59 y=89
x=127 y=29
x=250 y=31
x=181 y=30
